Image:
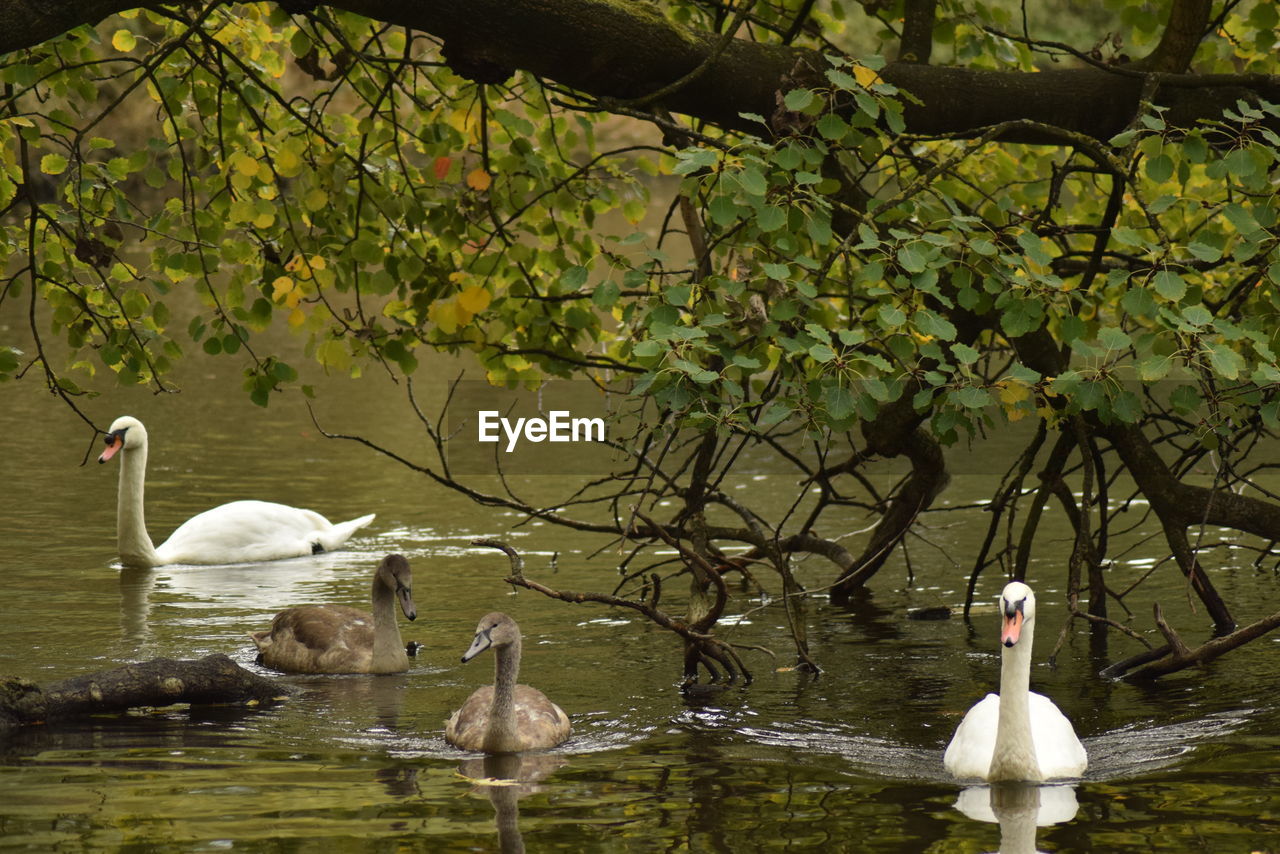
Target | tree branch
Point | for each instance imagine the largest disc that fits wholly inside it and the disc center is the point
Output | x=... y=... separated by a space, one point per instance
x=620 y=50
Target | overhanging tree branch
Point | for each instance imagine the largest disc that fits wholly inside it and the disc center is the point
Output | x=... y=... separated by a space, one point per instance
x=620 y=50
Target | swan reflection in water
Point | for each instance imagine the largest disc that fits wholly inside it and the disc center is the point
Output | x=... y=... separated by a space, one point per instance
x=1019 y=808
x=505 y=778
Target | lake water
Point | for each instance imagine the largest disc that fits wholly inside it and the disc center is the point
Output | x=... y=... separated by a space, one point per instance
x=850 y=761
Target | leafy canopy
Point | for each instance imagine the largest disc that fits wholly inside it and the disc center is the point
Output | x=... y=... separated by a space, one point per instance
x=177 y=181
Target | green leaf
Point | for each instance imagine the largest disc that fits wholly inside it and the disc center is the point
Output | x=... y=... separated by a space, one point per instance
x=932 y=323
x=1204 y=251
x=798 y=99
x=840 y=402
x=648 y=348
x=891 y=317
x=605 y=296
x=1138 y=302
x=724 y=211
x=1154 y=368
x=678 y=295
x=771 y=218
x=972 y=397
x=1170 y=285
x=753 y=181
x=773 y=413
x=1185 y=399
x=1225 y=361
x=912 y=259
x=1114 y=338
x=821 y=353
x=1160 y=168
x=965 y=354
x=53 y=164
x=778 y=272
x=832 y=126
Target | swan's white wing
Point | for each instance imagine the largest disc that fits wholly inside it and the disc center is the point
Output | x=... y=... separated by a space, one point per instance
x=1058 y=751
x=968 y=756
x=250 y=531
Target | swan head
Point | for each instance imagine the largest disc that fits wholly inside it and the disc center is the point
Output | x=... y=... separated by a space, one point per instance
x=395 y=574
x=495 y=629
x=125 y=433
x=1017 y=609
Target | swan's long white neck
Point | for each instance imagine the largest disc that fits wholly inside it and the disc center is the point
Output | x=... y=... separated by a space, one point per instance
x=132 y=541
x=1014 y=757
x=501 y=736
x=388 y=650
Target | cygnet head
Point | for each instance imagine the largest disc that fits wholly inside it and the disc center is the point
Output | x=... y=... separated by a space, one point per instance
x=1017 y=610
x=125 y=433
x=395 y=574
x=495 y=629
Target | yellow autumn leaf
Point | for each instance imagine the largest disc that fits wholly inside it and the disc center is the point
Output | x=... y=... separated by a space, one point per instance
x=297 y=318
x=866 y=77
x=474 y=299
x=1014 y=392
x=315 y=199
x=287 y=162
x=124 y=41
x=53 y=164
x=244 y=164
x=281 y=288
x=479 y=180
x=443 y=313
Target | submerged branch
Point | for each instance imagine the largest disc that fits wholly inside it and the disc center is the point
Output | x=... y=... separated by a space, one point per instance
x=1176 y=655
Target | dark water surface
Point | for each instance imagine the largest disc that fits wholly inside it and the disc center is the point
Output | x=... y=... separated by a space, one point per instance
x=847 y=762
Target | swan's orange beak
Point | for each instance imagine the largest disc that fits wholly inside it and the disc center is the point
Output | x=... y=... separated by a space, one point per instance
x=115 y=442
x=1012 y=628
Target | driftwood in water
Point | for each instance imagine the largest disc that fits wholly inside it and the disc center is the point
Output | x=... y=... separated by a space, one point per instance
x=159 y=682
x=1175 y=655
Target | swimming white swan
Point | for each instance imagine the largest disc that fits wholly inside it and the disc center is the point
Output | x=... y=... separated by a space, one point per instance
x=341 y=639
x=505 y=717
x=1016 y=735
x=238 y=532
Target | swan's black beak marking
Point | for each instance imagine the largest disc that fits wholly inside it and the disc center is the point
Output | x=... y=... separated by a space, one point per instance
x=1013 y=613
x=114 y=442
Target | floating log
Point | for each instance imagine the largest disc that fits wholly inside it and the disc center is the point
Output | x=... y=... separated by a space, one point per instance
x=214 y=679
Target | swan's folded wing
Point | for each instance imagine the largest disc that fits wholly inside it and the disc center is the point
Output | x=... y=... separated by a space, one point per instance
x=318 y=639
x=466 y=728
x=540 y=722
x=968 y=756
x=1058 y=750
x=244 y=532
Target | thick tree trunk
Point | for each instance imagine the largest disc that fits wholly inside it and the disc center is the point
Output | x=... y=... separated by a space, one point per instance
x=159 y=682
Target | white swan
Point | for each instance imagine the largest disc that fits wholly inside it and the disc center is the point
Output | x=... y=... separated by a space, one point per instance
x=238 y=532
x=1016 y=735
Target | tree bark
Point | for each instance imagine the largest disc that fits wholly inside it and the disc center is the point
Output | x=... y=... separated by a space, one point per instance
x=621 y=50
x=1176 y=655
x=159 y=682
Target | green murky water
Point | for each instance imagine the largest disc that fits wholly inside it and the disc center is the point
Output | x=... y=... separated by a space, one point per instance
x=849 y=762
